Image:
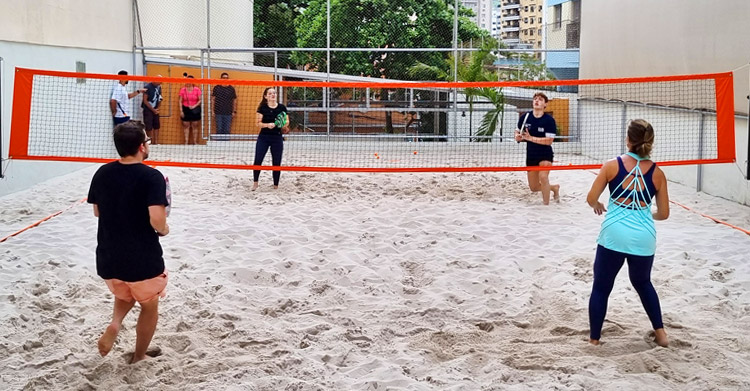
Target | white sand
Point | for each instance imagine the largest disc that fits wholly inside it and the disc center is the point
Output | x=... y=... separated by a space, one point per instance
x=374 y=282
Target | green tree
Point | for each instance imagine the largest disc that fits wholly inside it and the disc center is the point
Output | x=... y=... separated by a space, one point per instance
x=274 y=27
x=471 y=68
x=380 y=24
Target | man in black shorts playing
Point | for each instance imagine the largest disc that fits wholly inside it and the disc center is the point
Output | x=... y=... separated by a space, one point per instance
x=151 y=100
x=539 y=130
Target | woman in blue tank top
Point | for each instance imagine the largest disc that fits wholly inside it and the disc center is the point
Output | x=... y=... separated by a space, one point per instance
x=628 y=230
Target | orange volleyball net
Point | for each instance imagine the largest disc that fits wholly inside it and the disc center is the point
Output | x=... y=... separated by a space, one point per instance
x=371 y=126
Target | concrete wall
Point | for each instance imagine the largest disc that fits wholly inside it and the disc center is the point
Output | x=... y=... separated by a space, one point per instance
x=54 y=35
x=556 y=35
x=87 y=24
x=674 y=37
x=23 y=174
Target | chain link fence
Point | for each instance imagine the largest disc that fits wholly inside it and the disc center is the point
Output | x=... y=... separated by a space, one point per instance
x=361 y=40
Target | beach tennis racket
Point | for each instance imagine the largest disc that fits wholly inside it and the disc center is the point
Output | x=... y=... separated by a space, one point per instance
x=281 y=120
x=523 y=125
x=169 y=195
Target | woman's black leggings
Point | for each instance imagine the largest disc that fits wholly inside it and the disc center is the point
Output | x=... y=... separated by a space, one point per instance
x=606 y=266
x=266 y=141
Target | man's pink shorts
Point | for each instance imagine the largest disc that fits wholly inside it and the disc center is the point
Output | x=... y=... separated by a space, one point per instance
x=141 y=291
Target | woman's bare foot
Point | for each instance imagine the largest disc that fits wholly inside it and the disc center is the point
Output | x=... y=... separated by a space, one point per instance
x=275 y=187
x=555 y=192
x=255 y=186
x=660 y=337
x=594 y=342
x=107 y=340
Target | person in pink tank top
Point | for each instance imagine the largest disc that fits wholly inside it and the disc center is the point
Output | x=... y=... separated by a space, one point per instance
x=190 y=109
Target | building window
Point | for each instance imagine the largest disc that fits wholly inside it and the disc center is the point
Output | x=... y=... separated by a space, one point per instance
x=557 y=14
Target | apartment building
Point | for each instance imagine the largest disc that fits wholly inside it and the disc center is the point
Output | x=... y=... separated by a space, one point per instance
x=563 y=31
x=521 y=23
x=482 y=12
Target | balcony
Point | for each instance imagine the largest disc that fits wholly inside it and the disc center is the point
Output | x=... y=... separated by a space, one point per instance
x=573 y=35
x=510 y=35
x=511 y=29
x=511 y=7
x=512 y=17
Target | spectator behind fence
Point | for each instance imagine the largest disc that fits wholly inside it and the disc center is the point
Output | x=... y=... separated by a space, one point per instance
x=190 y=109
x=151 y=100
x=119 y=101
x=225 y=106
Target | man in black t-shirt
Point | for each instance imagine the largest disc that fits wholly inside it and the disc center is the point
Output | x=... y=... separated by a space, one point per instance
x=151 y=100
x=539 y=131
x=225 y=106
x=129 y=198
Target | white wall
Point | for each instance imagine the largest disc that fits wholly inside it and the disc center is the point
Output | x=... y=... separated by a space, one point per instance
x=23 y=174
x=675 y=37
x=73 y=23
x=184 y=23
x=677 y=138
x=723 y=180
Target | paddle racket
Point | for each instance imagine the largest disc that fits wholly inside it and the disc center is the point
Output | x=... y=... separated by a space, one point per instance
x=281 y=120
x=169 y=195
x=523 y=125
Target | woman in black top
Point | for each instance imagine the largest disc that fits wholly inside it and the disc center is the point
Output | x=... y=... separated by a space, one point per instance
x=270 y=134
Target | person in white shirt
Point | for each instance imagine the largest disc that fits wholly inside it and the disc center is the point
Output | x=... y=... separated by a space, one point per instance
x=118 y=102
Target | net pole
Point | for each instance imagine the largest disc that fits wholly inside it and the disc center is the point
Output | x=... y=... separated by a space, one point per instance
x=578 y=120
x=699 y=179
x=623 y=126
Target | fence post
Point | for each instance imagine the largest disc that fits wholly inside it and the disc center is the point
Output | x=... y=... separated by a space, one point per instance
x=455 y=68
x=328 y=68
x=624 y=134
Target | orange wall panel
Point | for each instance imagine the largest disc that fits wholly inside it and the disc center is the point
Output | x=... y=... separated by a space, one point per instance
x=248 y=99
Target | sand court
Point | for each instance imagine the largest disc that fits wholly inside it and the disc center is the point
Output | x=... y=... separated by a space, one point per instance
x=459 y=281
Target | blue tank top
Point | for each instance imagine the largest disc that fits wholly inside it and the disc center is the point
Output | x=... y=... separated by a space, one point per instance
x=628 y=226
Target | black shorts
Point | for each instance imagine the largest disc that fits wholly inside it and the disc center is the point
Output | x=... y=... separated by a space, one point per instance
x=120 y=120
x=151 y=120
x=191 y=115
x=536 y=160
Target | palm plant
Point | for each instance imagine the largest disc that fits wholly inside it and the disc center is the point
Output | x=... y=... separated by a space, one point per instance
x=471 y=68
